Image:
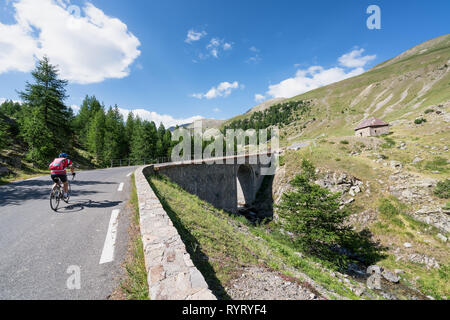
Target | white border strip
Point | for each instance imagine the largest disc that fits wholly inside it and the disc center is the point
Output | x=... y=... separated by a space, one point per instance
x=110 y=241
x=121 y=187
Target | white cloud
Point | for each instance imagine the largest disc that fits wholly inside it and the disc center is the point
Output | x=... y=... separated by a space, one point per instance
x=255 y=58
x=224 y=89
x=214 y=47
x=193 y=36
x=87 y=49
x=317 y=76
x=15 y=101
x=167 y=120
x=259 y=97
x=355 y=59
x=75 y=108
x=227 y=46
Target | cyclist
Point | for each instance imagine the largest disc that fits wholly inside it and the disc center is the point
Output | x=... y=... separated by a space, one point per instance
x=58 y=171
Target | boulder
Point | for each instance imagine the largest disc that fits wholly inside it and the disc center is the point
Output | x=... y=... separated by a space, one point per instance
x=374 y=281
x=396 y=165
x=389 y=276
x=442 y=237
x=417 y=160
x=374 y=269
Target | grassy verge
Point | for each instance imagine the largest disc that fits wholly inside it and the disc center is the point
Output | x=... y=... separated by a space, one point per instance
x=23 y=176
x=220 y=245
x=135 y=286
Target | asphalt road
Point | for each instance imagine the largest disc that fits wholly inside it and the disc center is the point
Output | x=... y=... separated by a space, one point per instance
x=41 y=251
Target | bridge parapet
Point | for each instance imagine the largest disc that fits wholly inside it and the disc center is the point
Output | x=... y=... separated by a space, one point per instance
x=225 y=182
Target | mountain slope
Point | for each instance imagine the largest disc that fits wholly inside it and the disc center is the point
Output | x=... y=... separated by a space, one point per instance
x=400 y=88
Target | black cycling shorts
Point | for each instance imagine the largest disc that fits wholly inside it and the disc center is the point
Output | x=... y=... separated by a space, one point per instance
x=62 y=177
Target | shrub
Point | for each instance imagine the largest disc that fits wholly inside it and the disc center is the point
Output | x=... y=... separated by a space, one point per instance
x=447 y=206
x=429 y=111
x=420 y=121
x=387 y=209
x=344 y=142
x=442 y=189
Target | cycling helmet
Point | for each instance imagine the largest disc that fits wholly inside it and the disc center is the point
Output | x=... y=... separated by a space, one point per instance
x=63 y=155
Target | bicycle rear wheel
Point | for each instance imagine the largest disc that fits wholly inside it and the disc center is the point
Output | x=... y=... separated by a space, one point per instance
x=54 y=200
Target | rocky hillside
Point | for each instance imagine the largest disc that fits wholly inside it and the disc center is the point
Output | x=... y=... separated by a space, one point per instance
x=389 y=182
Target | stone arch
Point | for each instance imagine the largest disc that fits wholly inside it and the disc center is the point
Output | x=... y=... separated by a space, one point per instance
x=245 y=183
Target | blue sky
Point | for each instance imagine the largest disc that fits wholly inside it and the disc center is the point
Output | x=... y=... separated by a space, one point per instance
x=174 y=60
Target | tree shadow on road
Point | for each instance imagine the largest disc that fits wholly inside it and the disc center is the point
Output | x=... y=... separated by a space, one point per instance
x=18 y=193
x=79 y=205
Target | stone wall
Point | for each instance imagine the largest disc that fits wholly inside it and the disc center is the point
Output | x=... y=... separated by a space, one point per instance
x=171 y=273
x=218 y=184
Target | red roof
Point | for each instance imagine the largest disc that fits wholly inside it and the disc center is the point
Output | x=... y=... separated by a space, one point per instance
x=372 y=122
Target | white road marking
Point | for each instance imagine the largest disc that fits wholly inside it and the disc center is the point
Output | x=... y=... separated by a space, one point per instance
x=110 y=241
x=120 y=187
x=129 y=174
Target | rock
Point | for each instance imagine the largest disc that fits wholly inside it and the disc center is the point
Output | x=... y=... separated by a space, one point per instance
x=359 y=291
x=374 y=269
x=445 y=148
x=417 y=160
x=396 y=165
x=429 y=262
x=354 y=190
x=398 y=271
x=312 y=296
x=407 y=245
x=389 y=276
x=442 y=237
x=374 y=281
x=351 y=200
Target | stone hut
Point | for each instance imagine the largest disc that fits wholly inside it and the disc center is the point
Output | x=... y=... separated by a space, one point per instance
x=371 y=128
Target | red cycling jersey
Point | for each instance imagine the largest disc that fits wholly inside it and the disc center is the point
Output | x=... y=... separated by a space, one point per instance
x=59 y=165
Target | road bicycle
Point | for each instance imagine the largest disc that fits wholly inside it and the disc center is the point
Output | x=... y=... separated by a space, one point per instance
x=57 y=194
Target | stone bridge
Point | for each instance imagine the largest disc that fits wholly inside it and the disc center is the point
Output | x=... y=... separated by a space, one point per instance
x=227 y=183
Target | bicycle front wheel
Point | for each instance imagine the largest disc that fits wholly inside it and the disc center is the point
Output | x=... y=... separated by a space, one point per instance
x=54 y=200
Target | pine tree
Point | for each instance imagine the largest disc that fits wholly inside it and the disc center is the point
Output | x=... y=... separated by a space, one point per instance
x=45 y=110
x=41 y=147
x=129 y=129
x=138 y=141
x=96 y=134
x=88 y=109
x=114 y=136
x=4 y=137
x=313 y=215
x=11 y=109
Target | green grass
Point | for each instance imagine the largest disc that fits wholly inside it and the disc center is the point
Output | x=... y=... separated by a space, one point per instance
x=220 y=244
x=24 y=175
x=135 y=286
x=437 y=164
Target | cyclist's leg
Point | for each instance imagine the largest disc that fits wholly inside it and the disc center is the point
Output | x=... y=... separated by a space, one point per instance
x=55 y=180
x=63 y=179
